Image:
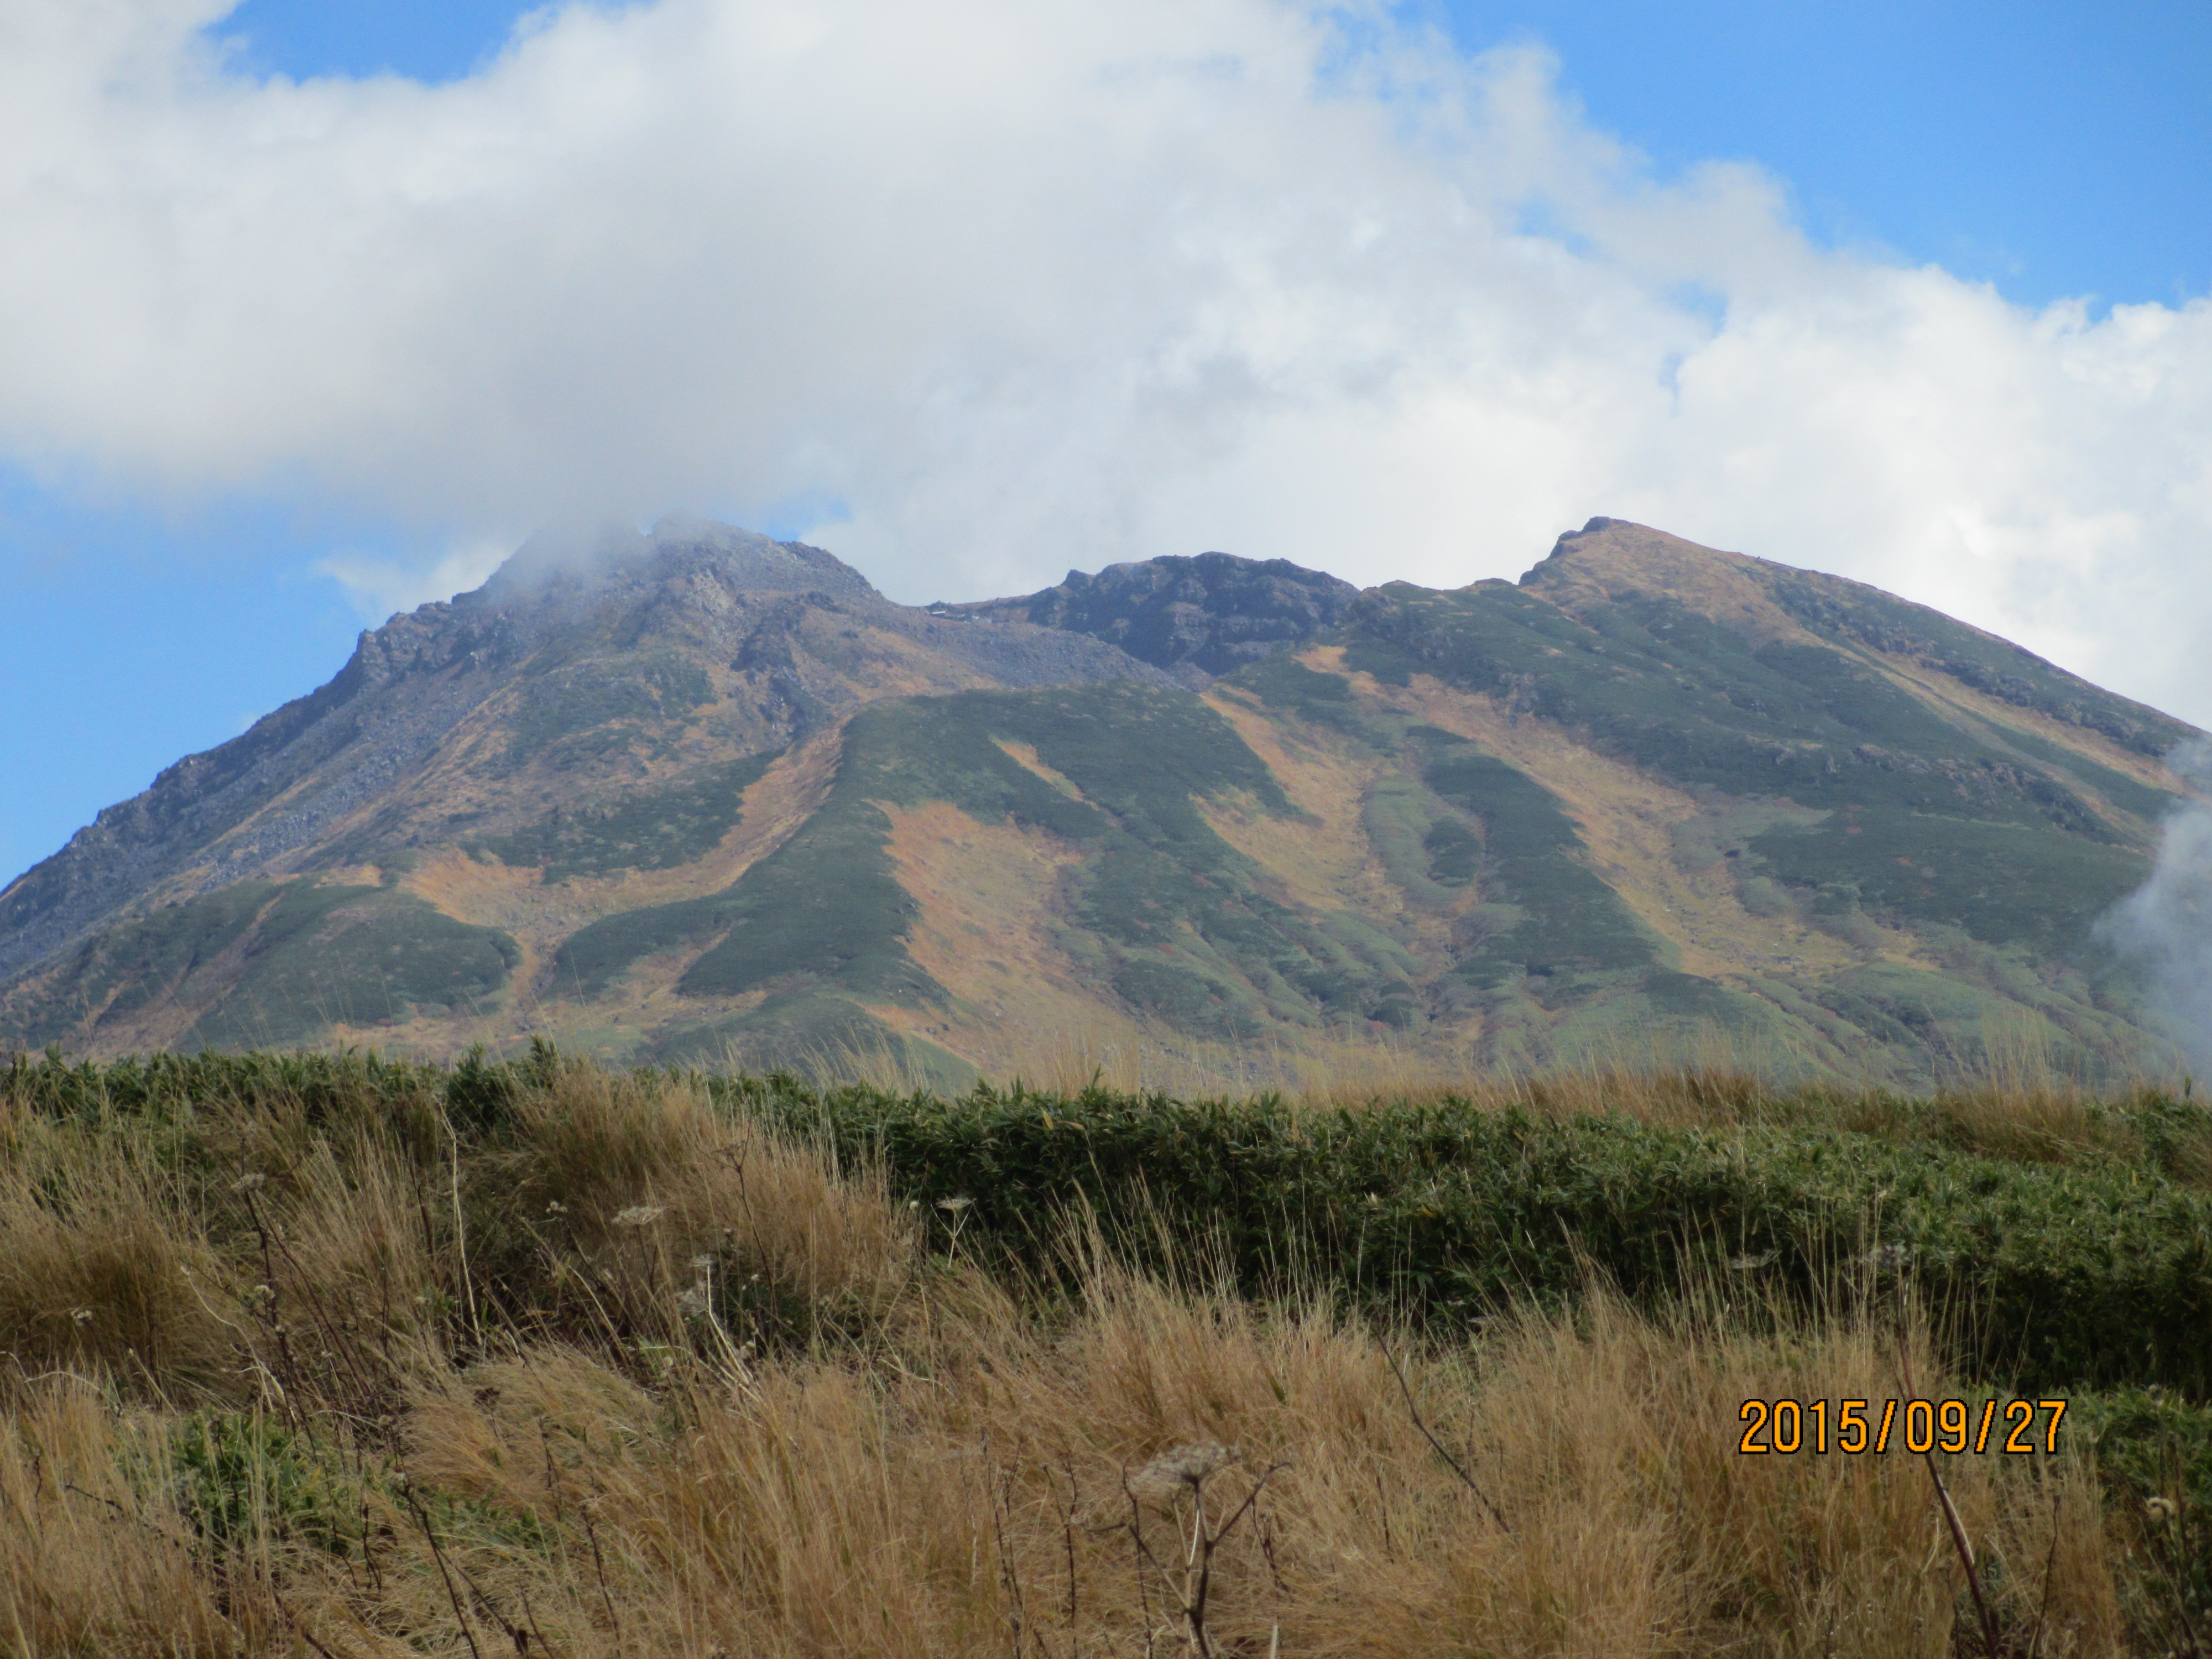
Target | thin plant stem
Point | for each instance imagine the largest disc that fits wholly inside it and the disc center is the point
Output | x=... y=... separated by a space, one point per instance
x=1957 y=1527
x=1414 y=1410
x=453 y=1591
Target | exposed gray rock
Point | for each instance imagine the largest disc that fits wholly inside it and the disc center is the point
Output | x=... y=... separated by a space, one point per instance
x=1195 y=617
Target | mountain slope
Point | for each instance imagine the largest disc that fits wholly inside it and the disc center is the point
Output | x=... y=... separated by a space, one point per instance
x=676 y=795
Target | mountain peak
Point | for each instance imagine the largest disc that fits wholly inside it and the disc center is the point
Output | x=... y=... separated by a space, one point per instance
x=615 y=555
x=1608 y=559
x=594 y=665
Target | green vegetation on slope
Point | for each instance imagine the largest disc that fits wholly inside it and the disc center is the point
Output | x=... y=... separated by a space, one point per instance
x=1654 y=683
x=1549 y=934
x=143 y=964
x=1844 y=800
x=570 y=711
x=278 y=961
x=1843 y=609
x=2005 y=883
x=652 y=828
x=1572 y=921
x=2144 y=802
x=1930 y=826
x=355 y=956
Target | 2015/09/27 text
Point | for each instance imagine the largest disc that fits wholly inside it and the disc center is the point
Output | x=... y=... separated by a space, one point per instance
x=1788 y=1427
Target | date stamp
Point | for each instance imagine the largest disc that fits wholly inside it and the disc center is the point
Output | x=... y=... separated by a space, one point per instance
x=1786 y=1427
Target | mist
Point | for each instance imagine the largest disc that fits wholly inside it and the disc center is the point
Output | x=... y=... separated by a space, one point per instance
x=2164 y=929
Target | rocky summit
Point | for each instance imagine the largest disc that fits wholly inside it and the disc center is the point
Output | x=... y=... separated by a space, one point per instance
x=697 y=795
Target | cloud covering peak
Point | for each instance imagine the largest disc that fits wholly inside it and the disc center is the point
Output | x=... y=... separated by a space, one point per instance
x=1020 y=284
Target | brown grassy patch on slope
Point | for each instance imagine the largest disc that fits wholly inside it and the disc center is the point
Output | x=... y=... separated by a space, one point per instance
x=1728 y=588
x=988 y=897
x=483 y=892
x=160 y=1021
x=490 y=894
x=770 y=812
x=1322 y=859
x=539 y=918
x=1026 y=756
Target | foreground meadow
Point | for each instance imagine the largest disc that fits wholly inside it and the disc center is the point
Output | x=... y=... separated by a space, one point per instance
x=318 y=1355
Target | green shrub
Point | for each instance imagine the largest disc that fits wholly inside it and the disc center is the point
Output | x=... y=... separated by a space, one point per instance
x=238 y=1477
x=2052 y=1274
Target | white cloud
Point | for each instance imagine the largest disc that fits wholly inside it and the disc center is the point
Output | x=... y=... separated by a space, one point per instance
x=1034 y=283
x=380 y=584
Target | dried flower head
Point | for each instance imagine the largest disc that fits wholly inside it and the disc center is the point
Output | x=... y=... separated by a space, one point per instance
x=640 y=1215
x=1888 y=1258
x=1191 y=1466
x=253 y=1182
x=1750 y=1264
x=82 y=1316
x=2157 y=1511
x=692 y=1302
x=702 y=1263
x=954 y=1205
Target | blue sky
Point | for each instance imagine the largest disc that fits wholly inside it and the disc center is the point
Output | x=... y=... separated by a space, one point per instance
x=159 y=602
x=2055 y=150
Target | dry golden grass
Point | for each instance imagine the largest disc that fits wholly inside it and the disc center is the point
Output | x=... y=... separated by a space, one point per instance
x=101 y=1266
x=601 y=1150
x=351 y=1393
x=985 y=1485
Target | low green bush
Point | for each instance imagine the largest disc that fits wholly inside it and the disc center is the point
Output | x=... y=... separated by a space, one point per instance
x=2049 y=1275
x=239 y=1478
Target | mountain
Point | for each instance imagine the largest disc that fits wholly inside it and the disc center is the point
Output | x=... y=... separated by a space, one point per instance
x=675 y=796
